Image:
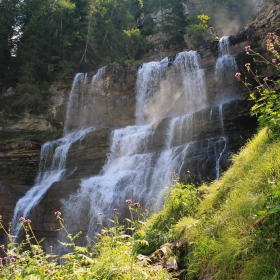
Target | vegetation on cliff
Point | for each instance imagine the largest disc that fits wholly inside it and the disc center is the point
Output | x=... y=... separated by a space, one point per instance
x=230 y=229
x=45 y=41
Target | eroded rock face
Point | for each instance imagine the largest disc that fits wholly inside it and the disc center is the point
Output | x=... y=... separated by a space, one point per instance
x=19 y=161
x=9 y=195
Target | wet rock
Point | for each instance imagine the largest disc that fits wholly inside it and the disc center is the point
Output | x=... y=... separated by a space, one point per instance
x=19 y=161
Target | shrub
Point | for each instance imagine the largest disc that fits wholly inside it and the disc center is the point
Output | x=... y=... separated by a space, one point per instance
x=265 y=94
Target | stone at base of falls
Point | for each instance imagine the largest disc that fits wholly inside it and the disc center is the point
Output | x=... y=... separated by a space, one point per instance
x=44 y=222
x=88 y=155
x=9 y=195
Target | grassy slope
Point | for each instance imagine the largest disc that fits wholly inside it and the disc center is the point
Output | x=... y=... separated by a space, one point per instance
x=232 y=229
x=234 y=232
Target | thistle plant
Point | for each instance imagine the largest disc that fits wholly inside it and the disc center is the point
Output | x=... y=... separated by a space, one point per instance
x=110 y=254
x=265 y=94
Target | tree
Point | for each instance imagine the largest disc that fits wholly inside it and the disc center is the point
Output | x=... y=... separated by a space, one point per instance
x=8 y=15
x=132 y=41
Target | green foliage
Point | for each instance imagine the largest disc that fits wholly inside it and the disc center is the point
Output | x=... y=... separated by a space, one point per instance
x=58 y=36
x=132 y=41
x=180 y=202
x=9 y=10
x=109 y=255
x=233 y=238
x=198 y=29
x=266 y=94
x=231 y=227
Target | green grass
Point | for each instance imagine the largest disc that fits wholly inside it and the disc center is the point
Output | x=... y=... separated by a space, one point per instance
x=237 y=234
x=231 y=228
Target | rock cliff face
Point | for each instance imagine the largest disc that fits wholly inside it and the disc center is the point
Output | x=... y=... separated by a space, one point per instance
x=228 y=125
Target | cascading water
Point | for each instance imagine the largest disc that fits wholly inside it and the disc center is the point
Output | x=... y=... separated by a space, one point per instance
x=224 y=72
x=54 y=155
x=226 y=66
x=140 y=162
x=134 y=170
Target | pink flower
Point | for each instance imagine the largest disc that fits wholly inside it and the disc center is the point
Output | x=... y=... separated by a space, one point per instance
x=1 y=260
x=0 y=217
x=247 y=64
x=2 y=246
x=13 y=260
x=273 y=60
x=137 y=204
x=5 y=258
x=28 y=221
x=237 y=75
x=128 y=201
x=115 y=209
x=265 y=79
x=21 y=219
x=57 y=213
x=100 y=214
x=51 y=247
x=247 y=48
x=47 y=271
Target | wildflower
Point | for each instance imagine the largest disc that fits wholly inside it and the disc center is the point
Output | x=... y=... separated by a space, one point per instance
x=21 y=219
x=273 y=60
x=0 y=217
x=86 y=237
x=237 y=75
x=188 y=171
x=47 y=271
x=2 y=246
x=13 y=260
x=247 y=64
x=100 y=214
x=5 y=258
x=137 y=204
x=57 y=213
x=115 y=209
x=28 y=221
x=128 y=201
x=265 y=79
x=247 y=48
x=51 y=247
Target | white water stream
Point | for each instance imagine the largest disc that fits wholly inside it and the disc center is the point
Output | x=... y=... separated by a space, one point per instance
x=134 y=170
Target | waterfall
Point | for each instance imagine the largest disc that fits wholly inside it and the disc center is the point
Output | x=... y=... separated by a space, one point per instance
x=177 y=89
x=48 y=174
x=134 y=170
x=226 y=66
x=141 y=159
x=221 y=144
x=52 y=167
x=81 y=111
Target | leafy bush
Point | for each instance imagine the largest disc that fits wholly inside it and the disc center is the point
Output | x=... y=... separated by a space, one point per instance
x=180 y=202
x=265 y=94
